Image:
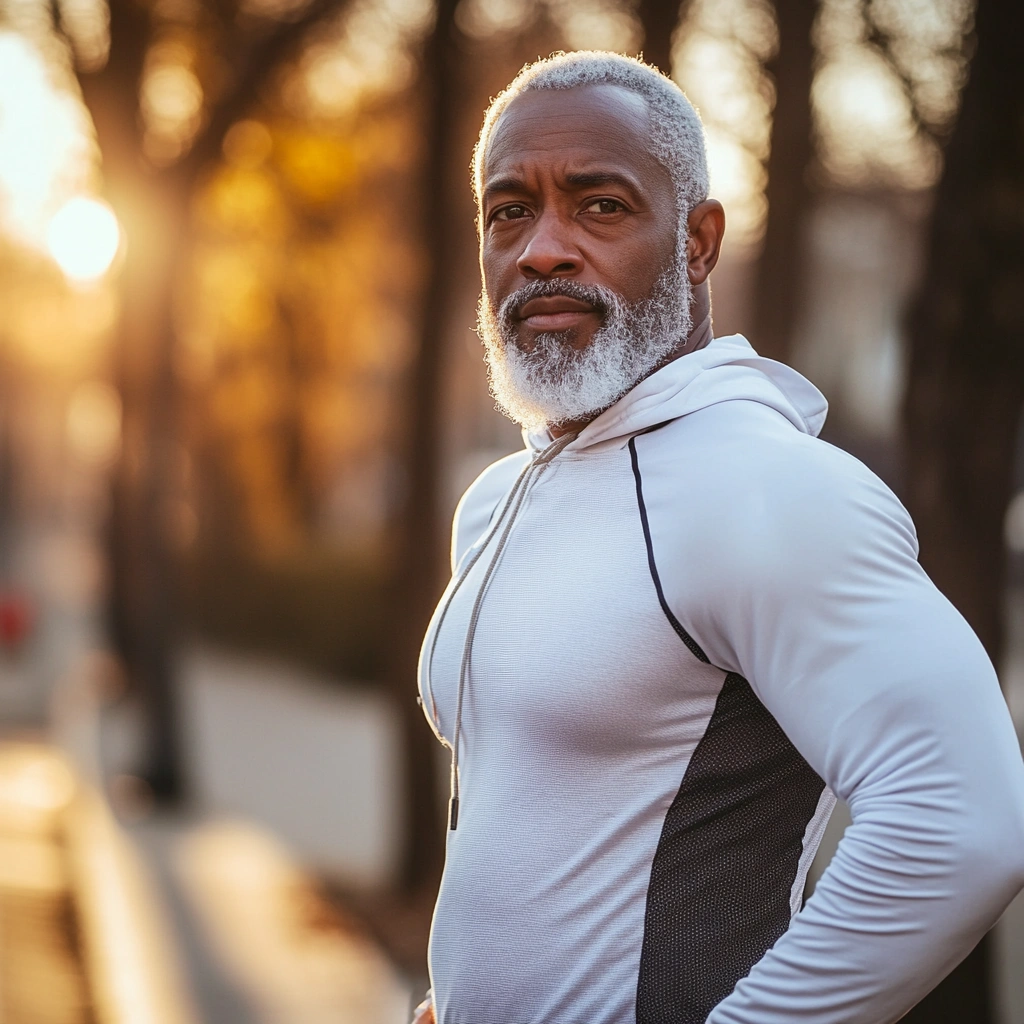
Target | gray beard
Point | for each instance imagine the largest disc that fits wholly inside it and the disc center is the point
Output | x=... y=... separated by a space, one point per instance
x=555 y=383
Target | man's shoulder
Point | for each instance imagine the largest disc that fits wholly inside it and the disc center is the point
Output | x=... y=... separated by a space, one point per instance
x=743 y=442
x=740 y=478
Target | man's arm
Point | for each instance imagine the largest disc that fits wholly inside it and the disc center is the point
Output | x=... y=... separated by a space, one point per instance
x=811 y=590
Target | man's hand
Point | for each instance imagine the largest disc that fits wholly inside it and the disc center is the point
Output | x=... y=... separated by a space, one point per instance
x=424 y=1013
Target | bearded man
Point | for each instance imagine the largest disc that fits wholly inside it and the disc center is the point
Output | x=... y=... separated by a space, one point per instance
x=679 y=626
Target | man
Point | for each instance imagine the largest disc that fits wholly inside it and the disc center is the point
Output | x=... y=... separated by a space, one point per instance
x=679 y=625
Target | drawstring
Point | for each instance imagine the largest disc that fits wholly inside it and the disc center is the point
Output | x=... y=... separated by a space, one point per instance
x=514 y=502
x=527 y=470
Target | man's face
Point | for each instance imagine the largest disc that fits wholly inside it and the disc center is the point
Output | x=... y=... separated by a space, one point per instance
x=583 y=294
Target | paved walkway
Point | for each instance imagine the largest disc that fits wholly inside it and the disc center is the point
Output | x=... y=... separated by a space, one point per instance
x=260 y=945
x=290 y=781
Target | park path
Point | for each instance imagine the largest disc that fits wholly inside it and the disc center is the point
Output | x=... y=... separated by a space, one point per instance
x=291 y=784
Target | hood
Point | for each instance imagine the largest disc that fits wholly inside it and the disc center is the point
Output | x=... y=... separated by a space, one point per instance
x=725 y=370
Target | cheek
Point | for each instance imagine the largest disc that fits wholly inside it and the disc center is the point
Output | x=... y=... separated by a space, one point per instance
x=636 y=268
x=493 y=271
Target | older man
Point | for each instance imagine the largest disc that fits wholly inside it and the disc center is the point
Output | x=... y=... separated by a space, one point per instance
x=679 y=625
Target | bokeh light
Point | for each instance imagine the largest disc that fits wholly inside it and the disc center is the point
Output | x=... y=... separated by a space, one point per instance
x=170 y=100
x=718 y=60
x=46 y=149
x=83 y=238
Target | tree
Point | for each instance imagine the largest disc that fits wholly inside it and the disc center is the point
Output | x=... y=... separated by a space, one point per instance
x=152 y=203
x=658 y=19
x=965 y=389
x=419 y=565
x=780 y=270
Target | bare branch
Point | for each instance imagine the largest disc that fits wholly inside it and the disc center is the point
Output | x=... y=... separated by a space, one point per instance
x=111 y=92
x=262 y=60
x=881 y=41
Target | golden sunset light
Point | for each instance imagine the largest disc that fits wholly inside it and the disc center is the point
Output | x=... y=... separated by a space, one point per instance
x=678 y=345
x=83 y=238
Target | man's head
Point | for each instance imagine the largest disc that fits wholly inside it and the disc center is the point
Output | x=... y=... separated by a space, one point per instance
x=591 y=182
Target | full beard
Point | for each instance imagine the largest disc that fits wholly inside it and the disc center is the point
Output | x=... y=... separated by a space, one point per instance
x=555 y=383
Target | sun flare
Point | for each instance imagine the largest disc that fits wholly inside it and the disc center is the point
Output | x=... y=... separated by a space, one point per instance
x=83 y=238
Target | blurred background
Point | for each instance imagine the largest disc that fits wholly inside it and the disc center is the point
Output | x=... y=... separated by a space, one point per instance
x=240 y=396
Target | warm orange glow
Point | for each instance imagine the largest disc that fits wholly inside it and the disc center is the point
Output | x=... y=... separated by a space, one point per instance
x=83 y=238
x=94 y=422
x=36 y=784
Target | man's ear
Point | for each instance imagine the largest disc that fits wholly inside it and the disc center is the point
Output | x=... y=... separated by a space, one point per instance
x=705 y=227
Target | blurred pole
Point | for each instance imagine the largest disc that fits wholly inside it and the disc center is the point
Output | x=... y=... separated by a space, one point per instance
x=658 y=19
x=780 y=270
x=965 y=389
x=420 y=568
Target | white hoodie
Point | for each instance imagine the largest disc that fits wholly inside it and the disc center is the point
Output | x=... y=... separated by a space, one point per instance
x=677 y=637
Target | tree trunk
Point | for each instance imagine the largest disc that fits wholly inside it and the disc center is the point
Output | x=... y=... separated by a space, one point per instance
x=419 y=571
x=145 y=591
x=966 y=381
x=659 y=19
x=777 y=292
x=152 y=208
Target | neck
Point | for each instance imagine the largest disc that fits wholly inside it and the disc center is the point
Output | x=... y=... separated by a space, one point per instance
x=700 y=336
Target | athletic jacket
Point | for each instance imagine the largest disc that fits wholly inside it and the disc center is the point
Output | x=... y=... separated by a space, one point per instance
x=678 y=635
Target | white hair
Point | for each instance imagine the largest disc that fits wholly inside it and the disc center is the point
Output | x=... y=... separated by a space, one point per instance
x=676 y=132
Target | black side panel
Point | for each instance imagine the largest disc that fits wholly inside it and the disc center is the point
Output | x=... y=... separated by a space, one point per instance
x=726 y=861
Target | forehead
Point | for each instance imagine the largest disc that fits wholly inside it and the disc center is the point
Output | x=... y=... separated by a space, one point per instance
x=584 y=125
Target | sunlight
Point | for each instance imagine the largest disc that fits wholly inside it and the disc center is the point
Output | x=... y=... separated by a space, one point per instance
x=863 y=112
x=46 y=152
x=171 y=101
x=596 y=25
x=717 y=61
x=482 y=19
x=367 y=53
x=83 y=238
x=865 y=125
x=35 y=785
x=87 y=23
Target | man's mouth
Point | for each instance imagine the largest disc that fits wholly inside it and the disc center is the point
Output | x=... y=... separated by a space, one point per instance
x=554 y=312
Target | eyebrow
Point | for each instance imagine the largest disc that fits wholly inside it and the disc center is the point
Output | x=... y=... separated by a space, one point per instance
x=507 y=184
x=578 y=179
x=591 y=179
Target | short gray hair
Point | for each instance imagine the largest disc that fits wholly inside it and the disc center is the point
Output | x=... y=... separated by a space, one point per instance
x=677 y=135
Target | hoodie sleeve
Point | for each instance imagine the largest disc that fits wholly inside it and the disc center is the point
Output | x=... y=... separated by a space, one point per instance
x=808 y=585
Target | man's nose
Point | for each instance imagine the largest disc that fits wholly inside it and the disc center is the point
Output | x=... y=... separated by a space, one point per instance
x=549 y=251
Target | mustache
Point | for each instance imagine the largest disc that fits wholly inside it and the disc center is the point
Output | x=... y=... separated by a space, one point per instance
x=602 y=299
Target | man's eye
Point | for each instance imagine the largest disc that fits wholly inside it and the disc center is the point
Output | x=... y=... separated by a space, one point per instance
x=513 y=212
x=605 y=206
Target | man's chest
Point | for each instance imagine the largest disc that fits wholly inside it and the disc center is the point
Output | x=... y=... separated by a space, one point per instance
x=570 y=646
